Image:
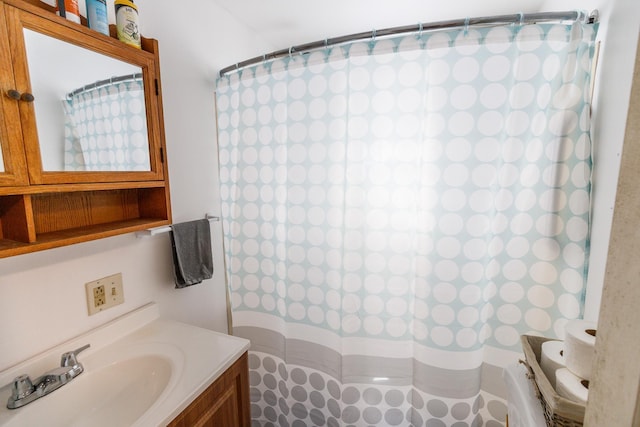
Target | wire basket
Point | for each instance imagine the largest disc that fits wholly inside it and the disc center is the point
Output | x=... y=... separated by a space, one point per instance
x=558 y=411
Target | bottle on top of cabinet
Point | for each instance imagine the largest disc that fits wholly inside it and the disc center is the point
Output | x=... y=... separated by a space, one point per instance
x=69 y=9
x=127 y=22
x=97 y=17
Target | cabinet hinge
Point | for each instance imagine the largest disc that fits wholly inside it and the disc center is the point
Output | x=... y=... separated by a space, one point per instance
x=161 y=155
x=155 y=81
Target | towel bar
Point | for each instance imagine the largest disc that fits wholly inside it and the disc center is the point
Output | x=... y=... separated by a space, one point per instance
x=159 y=230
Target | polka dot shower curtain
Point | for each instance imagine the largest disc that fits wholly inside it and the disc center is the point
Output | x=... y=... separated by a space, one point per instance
x=106 y=129
x=397 y=212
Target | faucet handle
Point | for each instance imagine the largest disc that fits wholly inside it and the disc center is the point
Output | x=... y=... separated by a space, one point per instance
x=22 y=387
x=69 y=359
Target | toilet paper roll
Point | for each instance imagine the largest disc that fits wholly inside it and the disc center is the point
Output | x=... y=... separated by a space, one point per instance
x=552 y=359
x=579 y=344
x=571 y=387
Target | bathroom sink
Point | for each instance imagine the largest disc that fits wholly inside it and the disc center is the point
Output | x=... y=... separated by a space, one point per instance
x=131 y=385
x=139 y=370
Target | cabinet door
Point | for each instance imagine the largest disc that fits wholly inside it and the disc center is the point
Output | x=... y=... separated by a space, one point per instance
x=221 y=412
x=94 y=114
x=224 y=404
x=13 y=170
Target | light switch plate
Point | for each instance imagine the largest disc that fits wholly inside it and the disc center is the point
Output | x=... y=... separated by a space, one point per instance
x=104 y=293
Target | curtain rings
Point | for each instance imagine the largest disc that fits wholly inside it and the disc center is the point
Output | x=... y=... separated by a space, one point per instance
x=263 y=64
x=521 y=18
x=419 y=35
x=372 y=40
x=466 y=26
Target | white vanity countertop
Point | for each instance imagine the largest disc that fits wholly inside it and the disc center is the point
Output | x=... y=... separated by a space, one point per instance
x=197 y=356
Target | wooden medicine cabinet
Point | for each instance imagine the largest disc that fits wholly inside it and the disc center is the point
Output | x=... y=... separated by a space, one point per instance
x=81 y=133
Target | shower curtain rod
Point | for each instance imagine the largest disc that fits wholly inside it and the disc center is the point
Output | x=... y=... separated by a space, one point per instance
x=105 y=82
x=518 y=18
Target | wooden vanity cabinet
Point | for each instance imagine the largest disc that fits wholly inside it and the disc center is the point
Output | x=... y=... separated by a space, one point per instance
x=42 y=209
x=225 y=403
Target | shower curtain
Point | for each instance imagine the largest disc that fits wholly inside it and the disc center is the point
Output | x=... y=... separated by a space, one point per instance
x=106 y=128
x=397 y=212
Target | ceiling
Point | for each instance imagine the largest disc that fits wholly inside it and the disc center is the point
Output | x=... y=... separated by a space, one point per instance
x=284 y=23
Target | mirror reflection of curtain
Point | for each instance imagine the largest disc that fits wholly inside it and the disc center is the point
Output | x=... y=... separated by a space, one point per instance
x=106 y=128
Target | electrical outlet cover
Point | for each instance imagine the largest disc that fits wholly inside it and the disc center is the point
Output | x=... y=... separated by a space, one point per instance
x=104 y=293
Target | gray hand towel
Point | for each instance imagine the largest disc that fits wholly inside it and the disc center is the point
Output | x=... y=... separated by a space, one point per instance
x=192 y=259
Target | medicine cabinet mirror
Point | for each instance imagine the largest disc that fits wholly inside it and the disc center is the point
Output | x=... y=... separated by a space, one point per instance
x=90 y=110
x=94 y=114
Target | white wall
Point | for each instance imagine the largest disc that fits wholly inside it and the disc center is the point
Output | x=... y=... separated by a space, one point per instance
x=42 y=297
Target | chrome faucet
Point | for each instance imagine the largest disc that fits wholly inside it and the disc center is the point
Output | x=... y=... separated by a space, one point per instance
x=25 y=391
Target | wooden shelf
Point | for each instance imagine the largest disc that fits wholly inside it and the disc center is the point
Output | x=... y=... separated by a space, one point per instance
x=68 y=188
x=77 y=235
x=33 y=222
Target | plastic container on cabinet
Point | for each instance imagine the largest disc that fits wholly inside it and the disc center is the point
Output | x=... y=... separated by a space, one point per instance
x=97 y=16
x=69 y=9
x=127 y=22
